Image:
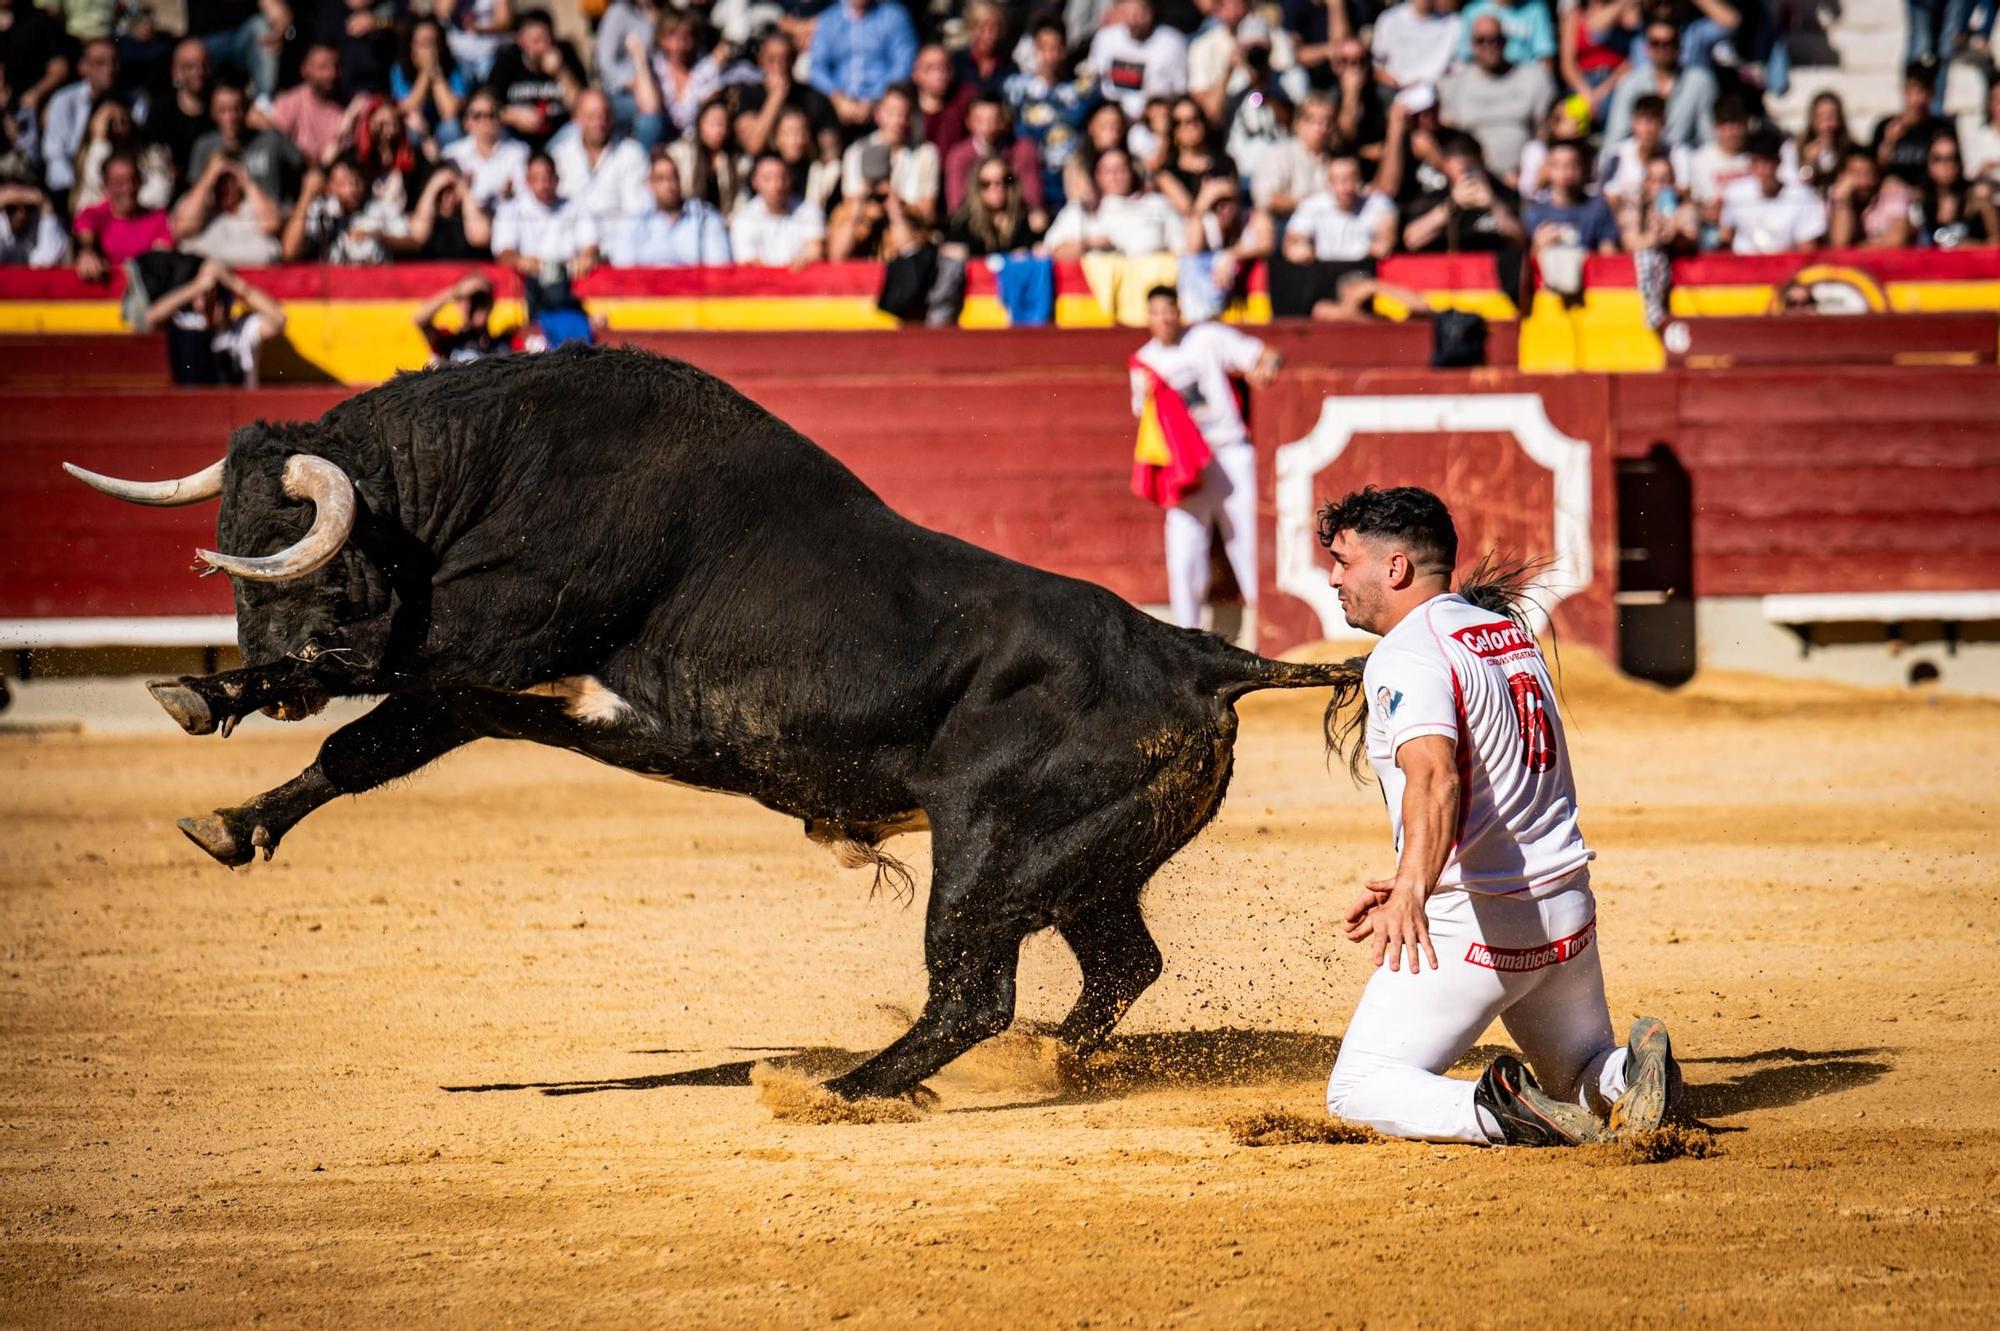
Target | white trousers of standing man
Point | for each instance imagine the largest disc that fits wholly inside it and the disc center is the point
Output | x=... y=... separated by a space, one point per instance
x=1226 y=502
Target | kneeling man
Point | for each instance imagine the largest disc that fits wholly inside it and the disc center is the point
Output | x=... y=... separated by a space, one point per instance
x=1490 y=912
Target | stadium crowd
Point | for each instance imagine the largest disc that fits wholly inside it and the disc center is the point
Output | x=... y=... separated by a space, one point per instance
x=1201 y=134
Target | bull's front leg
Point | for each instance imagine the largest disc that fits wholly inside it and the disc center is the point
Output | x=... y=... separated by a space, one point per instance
x=203 y=704
x=402 y=734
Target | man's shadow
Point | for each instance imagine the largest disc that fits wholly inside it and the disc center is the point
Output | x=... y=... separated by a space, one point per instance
x=1798 y=1075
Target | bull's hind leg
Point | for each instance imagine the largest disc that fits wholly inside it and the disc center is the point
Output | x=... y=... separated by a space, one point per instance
x=1120 y=961
x=402 y=734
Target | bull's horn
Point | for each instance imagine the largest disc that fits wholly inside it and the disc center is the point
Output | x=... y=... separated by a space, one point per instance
x=204 y=484
x=332 y=495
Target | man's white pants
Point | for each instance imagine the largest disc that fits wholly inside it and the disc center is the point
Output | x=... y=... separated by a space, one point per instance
x=1529 y=959
x=1226 y=501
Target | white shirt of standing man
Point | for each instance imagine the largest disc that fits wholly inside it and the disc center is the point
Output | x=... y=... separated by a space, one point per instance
x=602 y=171
x=1137 y=60
x=541 y=226
x=771 y=227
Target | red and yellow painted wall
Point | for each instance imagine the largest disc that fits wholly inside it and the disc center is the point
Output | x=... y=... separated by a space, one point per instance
x=354 y=325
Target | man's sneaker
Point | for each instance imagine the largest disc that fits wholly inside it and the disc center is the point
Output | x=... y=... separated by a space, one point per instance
x=1652 y=1080
x=1507 y=1090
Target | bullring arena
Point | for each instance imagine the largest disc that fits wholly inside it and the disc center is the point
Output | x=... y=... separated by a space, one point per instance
x=525 y=1041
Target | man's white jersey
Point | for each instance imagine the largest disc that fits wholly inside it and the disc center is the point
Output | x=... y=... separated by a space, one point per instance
x=1453 y=669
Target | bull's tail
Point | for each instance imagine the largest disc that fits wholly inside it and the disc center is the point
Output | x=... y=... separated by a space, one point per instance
x=1245 y=672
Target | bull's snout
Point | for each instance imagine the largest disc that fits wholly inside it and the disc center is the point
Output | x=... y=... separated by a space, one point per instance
x=189 y=709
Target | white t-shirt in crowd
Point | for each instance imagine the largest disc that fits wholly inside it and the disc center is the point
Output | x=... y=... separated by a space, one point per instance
x=1791 y=221
x=1134 y=224
x=611 y=190
x=1413 y=48
x=1339 y=236
x=490 y=176
x=1131 y=72
x=535 y=230
x=1623 y=174
x=1452 y=669
x=1199 y=366
x=759 y=236
x=1711 y=171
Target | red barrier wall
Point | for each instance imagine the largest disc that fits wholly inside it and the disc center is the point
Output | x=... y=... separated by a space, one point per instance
x=1843 y=480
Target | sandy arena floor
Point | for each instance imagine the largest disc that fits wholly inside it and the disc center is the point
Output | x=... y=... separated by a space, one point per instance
x=476 y=1051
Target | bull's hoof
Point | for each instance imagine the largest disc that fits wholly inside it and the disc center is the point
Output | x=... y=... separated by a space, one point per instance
x=188 y=708
x=214 y=835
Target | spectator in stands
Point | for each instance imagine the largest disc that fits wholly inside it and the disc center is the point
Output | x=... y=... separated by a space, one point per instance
x=1106 y=129
x=1655 y=216
x=449 y=224
x=1296 y=166
x=364 y=34
x=989 y=135
x=1560 y=125
x=35 y=57
x=615 y=58
x=538 y=79
x=1950 y=212
x=815 y=171
x=1049 y=110
x=674 y=231
x=1594 y=41
x=549 y=240
x=1415 y=42
x=707 y=159
x=69 y=114
x=684 y=76
x=1499 y=102
x=994 y=216
x=1342 y=223
x=338 y=220
x=1127 y=219
x=941 y=100
x=1571 y=218
x=428 y=88
x=181 y=117
x=1221 y=56
x=1136 y=59
x=1979 y=138
x=1625 y=169
x=1191 y=157
x=859 y=49
x=1151 y=136
x=912 y=168
x=1259 y=117
x=209 y=340
x=475 y=338
x=225 y=216
x=984 y=63
x=873 y=222
x=1687 y=91
x=267 y=156
x=1723 y=160
x=1866 y=209
x=1704 y=25
x=1825 y=141
x=1902 y=140
x=775 y=228
x=1224 y=238
x=476 y=30
x=31 y=235
x=109 y=233
x=246 y=35
x=112 y=132
x=761 y=104
x=311 y=116
x=493 y=164
x=603 y=171
x=1766 y=214
x=1527 y=35
x=1472 y=212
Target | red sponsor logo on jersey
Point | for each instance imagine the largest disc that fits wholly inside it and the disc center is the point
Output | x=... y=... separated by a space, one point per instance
x=1531 y=712
x=1517 y=959
x=1494 y=640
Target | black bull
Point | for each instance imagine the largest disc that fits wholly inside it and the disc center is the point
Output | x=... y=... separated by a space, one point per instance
x=620 y=555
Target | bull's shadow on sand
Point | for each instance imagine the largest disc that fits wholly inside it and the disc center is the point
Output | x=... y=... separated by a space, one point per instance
x=1228 y=1056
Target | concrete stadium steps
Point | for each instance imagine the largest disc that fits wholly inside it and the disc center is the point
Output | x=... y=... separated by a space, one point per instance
x=1868 y=38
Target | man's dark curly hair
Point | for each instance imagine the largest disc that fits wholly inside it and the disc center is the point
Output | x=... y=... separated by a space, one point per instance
x=1407 y=514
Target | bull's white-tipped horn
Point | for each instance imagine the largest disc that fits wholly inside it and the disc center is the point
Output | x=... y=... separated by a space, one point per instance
x=332 y=495
x=204 y=484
